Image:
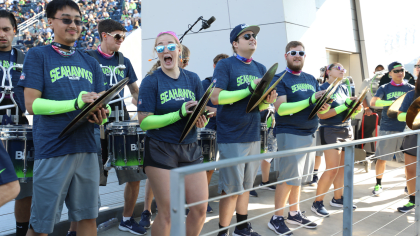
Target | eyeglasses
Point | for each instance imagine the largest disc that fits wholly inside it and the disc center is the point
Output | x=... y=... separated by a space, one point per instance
x=68 y=21
x=171 y=47
x=248 y=36
x=339 y=68
x=185 y=61
x=117 y=36
x=295 y=53
x=417 y=66
x=398 y=71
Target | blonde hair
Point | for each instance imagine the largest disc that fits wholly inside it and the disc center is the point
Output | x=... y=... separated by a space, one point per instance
x=158 y=64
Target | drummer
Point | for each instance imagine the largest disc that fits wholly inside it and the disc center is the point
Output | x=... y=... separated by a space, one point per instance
x=298 y=91
x=177 y=90
x=333 y=130
x=212 y=121
x=410 y=156
x=8 y=28
x=112 y=35
x=384 y=97
x=64 y=167
x=238 y=132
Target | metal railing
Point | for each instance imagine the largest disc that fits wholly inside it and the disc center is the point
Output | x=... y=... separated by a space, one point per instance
x=177 y=184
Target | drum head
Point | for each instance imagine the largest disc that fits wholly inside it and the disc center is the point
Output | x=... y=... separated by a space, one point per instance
x=413 y=117
x=395 y=107
x=262 y=89
x=15 y=131
x=325 y=98
x=103 y=100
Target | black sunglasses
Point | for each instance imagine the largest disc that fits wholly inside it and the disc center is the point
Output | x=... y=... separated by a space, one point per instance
x=69 y=21
x=117 y=36
x=416 y=66
x=248 y=36
x=398 y=71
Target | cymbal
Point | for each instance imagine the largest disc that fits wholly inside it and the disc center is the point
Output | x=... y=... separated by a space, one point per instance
x=261 y=92
x=90 y=109
x=395 y=107
x=413 y=115
x=199 y=110
x=355 y=104
x=325 y=98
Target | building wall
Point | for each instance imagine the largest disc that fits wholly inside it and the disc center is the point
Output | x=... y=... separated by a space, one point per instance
x=319 y=24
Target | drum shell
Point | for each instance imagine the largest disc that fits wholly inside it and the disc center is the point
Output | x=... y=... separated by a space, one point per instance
x=18 y=142
x=207 y=140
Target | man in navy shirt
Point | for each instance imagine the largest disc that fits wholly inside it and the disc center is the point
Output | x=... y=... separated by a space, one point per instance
x=8 y=57
x=384 y=97
x=297 y=91
x=238 y=132
x=58 y=82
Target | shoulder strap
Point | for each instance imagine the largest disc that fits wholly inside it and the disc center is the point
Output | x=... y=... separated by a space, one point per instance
x=93 y=54
x=120 y=58
x=20 y=58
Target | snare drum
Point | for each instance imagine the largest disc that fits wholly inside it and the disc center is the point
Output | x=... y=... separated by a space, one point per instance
x=264 y=138
x=18 y=142
x=207 y=141
x=126 y=145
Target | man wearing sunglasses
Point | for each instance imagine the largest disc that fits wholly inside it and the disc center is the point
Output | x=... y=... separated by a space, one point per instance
x=112 y=35
x=58 y=82
x=238 y=132
x=298 y=92
x=384 y=97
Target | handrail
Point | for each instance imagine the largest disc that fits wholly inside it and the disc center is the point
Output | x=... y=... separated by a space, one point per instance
x=29 y=21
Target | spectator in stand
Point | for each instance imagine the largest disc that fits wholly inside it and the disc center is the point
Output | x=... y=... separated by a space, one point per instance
x=136 y=14
x=124 y=15
x=129 y=27
x=39 y=41
x=132 y=7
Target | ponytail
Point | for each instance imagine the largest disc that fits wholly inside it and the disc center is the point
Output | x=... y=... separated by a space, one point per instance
x=154 y=67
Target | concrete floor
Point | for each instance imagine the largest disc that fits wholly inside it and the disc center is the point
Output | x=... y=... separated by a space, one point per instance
x=332 y=224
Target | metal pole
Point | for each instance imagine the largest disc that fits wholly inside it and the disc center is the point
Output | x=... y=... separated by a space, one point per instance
x=417 y=212
x=348 y=191
x=177 y=187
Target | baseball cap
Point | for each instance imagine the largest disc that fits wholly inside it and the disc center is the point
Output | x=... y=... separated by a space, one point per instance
x=242 y=28
x=394 y=65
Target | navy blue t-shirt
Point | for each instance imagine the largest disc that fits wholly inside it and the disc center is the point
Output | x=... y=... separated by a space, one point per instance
x=160 y=94
x=340 y=95
x=389 y=92
x=297 y=88
x=234 y=125
x=61 y=78
x=408 y=99
x=212 y=121
x=121 y=74
x=5 y=61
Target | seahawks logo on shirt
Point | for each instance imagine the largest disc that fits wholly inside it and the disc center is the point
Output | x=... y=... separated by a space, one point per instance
x=177 y=95
x=395 y=95
x=302 y=87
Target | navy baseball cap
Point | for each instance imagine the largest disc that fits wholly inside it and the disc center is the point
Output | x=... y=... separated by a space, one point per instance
x=394 y=65
x=239 y=29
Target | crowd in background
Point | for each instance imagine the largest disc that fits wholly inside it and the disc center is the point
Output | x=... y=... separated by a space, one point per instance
x=127 y=12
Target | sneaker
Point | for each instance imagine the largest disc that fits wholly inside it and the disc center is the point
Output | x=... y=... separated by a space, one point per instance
x=406 y=190
x=271 y=187
x=339 y=203
x=406 y=207
x=253 y=233
x=314 y=181
x=132 y=227
x=145 y=220
x=319 y=209
x=209 y=209
x=242 y=232
x=253 y=193
x=71 y=233
x=377 y=190
x=278 y=226
x=301 y=219
x=223 y=234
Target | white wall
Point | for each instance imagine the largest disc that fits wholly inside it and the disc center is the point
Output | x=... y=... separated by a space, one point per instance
x=319 y=24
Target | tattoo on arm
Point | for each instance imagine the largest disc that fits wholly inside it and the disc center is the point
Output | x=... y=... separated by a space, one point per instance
x=145 y=114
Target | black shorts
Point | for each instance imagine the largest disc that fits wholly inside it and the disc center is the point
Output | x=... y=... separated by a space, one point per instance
x=409 y=142
x=330 y=135
x=169 y=156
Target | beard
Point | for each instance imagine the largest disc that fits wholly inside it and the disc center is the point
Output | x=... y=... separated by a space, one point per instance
x=294 y=67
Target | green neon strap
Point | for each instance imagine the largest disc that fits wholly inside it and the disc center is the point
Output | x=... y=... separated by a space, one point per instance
x=269 y=121
x=343 y=107
x=263 y=106
x=402 y=116
x=348 y=85
x=383 y=103
x=108 y=107
x=289 y=108
x=323 y=112
x=229 y=97
x=159 y=121
x=42 y=106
